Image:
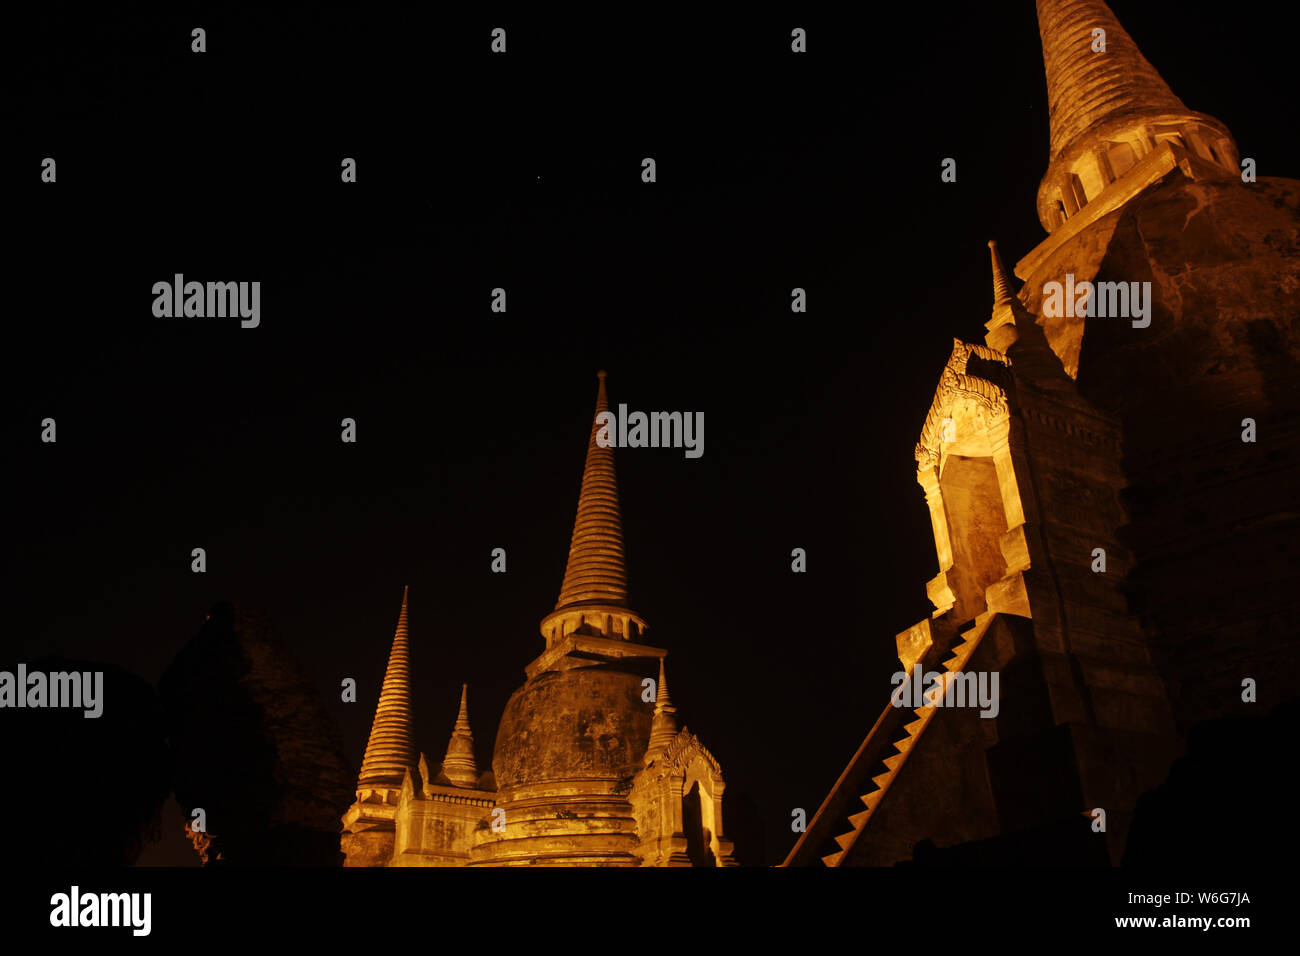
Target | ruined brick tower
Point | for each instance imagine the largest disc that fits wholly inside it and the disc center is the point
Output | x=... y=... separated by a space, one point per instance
x=1069 y=437
x=589 y=769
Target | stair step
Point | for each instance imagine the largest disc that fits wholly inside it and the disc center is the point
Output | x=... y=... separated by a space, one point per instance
x=961 y=654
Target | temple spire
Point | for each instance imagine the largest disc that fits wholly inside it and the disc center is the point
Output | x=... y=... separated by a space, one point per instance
x=459 y=764
x=1109 y=110
x=1013 y=330
x=1009 y=318
x=596 y=572
x=593 y=596
x=391 y=748
x=1001 y=285
x=663 y=726
x=1088 y=86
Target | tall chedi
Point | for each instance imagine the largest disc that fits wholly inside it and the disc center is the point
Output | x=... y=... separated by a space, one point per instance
x=1109 y=110
x=1108 y=545
x=593 y=596
x=390 y=753
x=576 y=786
x=590 y=766
x=1116 y=130
x=1141 y=190
x=407 y=812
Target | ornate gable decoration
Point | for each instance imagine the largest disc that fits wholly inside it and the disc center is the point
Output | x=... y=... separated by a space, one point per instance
x=683 y=748
x=957 y=383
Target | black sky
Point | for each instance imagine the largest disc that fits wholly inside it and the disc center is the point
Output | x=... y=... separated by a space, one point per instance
x=522 y=171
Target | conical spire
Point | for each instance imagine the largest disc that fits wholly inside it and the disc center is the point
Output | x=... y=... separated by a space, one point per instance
x=1013 y=330
x=459 y=765
x=1109 y=109
x=593 y=597
x=1085 y=88
x=663 y=726
x=1001 y=285
x=596 y=573
x=391 y=749
x=1007 y=313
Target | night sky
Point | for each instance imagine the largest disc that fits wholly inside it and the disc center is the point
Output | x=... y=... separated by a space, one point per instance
x=523 y=171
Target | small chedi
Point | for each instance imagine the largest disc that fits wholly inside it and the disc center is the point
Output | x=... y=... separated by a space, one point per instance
x=589 y=769
x=1111 y=490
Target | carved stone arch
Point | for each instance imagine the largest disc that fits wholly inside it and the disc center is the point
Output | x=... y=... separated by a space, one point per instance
x=964 y=466
x=696 y=784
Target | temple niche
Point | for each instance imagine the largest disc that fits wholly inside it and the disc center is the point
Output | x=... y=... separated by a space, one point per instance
x=590 y=766
x=973 y=507
x=1107 y=543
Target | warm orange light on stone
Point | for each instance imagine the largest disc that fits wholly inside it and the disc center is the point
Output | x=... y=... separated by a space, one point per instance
x=586 y=771
x=1028 y=443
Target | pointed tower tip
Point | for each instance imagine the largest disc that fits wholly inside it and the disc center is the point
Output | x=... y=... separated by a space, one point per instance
x=663 y=724
x=662 y=700
x=390 y=750
x=1001 y=284
x=459 y=764
x=593 y=594
x=595 y=572
x=402 y=616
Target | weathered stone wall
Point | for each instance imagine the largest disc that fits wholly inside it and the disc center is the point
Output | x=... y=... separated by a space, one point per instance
x=1212 y=519
x=569 y=744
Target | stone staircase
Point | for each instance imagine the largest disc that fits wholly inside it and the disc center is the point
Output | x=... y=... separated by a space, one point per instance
x=906 y=742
